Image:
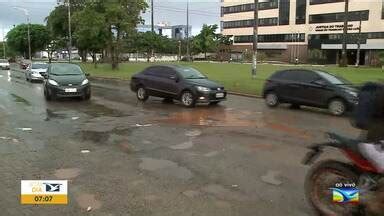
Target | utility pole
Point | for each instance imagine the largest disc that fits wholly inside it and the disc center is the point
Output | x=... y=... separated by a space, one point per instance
x=255 y=38
x=179 y=57
x=152 y=22
x=153 y=30
x=69 y=31
x=187 y=31
x=358 y=42
x=26 y=12
x=2 y=27
x=344 y=61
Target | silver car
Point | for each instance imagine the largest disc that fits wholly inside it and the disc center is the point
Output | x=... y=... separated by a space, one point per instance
x=4 y=64
x=36 y=71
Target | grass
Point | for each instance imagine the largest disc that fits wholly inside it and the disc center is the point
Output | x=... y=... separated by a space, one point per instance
x=237 y=77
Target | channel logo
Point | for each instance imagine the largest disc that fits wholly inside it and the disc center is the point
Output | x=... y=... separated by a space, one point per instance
x=345 y=195
x=44 y=192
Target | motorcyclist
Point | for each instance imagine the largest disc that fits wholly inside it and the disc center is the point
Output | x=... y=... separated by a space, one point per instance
x=369 y=116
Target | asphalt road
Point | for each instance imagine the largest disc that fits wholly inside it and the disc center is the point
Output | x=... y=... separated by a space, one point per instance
x=238 y=158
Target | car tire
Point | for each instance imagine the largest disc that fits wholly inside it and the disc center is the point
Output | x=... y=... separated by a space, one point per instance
x=214 y=103
x=337 y=107
x=87 y=96
x=271 y=99
x=141 y=93
x=188 y=99
x=47 y=96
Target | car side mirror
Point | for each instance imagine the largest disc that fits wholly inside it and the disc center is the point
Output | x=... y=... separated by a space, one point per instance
x=87 y=74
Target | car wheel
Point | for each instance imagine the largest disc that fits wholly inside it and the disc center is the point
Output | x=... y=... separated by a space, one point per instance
x=141 y=93
x=271 y=99
x=188 y=99
x=47 y=96
x=214 y=103
x=337 y=107
x=87 y=96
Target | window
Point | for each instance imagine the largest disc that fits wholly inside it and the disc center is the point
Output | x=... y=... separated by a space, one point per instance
x=249 y=23
x=382 y=10
x=339 y=17
x=270 y=38
x=284 y=12
x=249 y=7
x=313 y=2
x=301 y=9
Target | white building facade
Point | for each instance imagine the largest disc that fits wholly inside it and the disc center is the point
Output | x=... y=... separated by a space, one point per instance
x=296 y=29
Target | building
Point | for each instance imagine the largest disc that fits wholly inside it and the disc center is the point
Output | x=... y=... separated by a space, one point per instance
x=307 y=29
x=177 y=32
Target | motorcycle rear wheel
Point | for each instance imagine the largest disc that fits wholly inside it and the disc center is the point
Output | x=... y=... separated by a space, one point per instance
x=321 y=178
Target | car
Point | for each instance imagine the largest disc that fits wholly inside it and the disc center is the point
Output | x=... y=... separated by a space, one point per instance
x=185 y=84
x=24 y=65
x=66 y=80
x=36 y=71
x=314 y=88
x=4 y=64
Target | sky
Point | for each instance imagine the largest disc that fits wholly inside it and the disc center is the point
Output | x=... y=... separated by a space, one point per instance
x=172 y=11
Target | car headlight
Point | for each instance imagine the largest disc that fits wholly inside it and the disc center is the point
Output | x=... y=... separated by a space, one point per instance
x=354 y=94
x=53 y=82
x=85 y=82
x=203 y=89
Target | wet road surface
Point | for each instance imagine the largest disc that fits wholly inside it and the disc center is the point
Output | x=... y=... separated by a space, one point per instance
x=238 y=158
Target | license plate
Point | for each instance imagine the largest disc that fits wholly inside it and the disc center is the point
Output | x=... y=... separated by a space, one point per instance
x=219 y=95
x=70 y=90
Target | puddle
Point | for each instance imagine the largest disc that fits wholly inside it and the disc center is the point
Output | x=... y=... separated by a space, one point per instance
x=88 y=200
x=272 y=177
x=223 y=193
x=97 y=110
x=19 y=99
x=193 y=133
x=192 y=193
x=53 y=115
x=211 y=117
x=182 y=146
x=165 y=168
x=69 y=173
x=94 y=136
x=289 y=130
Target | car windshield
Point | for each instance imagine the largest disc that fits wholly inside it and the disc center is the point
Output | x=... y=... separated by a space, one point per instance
x=65 y=69
x=190 y=73
x=333 y=79
x=3 y=61
x=39 y=66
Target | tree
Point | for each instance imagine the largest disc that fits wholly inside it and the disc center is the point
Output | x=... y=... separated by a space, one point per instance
x=17 y=38
x=57 y=24
x=205 y=41
x=90 y=32
x=121 y=18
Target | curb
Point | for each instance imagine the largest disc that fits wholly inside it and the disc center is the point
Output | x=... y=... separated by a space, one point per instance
x=126 y=80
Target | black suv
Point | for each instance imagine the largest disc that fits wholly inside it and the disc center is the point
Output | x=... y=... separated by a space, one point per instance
x=176 y=82
x=310 y=88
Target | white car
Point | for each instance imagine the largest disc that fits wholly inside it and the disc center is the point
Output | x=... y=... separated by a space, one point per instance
x=4 y=64
x=36 y=71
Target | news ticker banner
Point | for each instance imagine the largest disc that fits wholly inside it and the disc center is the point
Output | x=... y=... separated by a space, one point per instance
x=44 y=192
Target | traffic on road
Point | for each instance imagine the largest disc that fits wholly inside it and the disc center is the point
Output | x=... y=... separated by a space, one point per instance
x=236 y=158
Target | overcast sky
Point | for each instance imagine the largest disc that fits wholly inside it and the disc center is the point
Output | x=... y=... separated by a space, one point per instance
x=172 y=11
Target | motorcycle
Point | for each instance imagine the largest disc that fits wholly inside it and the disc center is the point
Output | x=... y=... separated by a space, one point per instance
x=328 y=176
